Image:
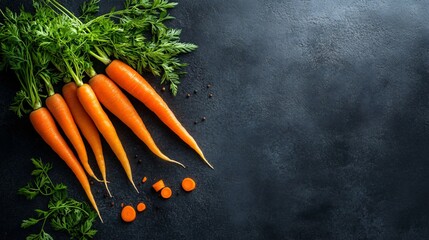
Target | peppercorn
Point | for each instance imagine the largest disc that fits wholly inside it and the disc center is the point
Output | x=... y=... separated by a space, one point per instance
x=188 y=95
x=203 y=119
x=210 y=95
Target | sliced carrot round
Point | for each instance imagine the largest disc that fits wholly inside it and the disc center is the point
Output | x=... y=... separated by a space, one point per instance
x=188 y=184
x=128 y=214
x=141 y=207
x=166 y=192
x=158 y=185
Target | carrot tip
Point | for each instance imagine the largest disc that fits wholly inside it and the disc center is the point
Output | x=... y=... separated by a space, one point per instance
x=207 y=162
x=107 y=188
x=174 y=161
x=99 y=216
x=96 y=178
x=132 y=182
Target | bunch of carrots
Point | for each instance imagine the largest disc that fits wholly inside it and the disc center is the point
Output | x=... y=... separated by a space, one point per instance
x=53 y=46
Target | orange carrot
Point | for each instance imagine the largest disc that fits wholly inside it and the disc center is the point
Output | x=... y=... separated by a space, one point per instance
x=61 y=112
x=87 y=127
x=111 y=96
x=44 y=124
x=144 y=179
x=130 y=80
x=166 y=193
x=92 y=106
x=141 y=207
x=128 y=214
x=188 y=184
x=158 y=185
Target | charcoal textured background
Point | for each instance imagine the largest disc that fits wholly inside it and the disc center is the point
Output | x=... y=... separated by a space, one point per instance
x=318 y=128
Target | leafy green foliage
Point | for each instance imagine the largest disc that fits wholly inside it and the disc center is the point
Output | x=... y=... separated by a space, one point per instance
x=53 y=44
x=136 y=34
x=64 y=213
x=89 y=9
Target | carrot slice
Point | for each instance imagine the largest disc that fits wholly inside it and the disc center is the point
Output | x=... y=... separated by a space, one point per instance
x=188 y=184
x=144 y=179
x=158 y=185
x=141 y=207
x=166 y=193
x=128 y=214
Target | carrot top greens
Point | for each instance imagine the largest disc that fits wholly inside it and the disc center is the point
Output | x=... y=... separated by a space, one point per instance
x=135 y=34
x=63 y=213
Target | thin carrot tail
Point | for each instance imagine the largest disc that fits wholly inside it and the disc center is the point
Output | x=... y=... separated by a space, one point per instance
x=99 y=216
x=90 y=172
x=207 y=162
x=198 y=150
x=107 y=188
x=132 y=182
x=174 y=161
x=165 y=158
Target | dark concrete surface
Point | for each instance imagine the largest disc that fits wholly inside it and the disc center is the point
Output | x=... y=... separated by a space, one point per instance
x=318 y=128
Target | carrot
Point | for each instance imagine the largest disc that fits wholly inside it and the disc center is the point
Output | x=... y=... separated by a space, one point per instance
x=130 y=80
x=61 y=112
x=158 y=185
x=166 y=193
x=111 y=96
x=87 y=127
x=141 y=207
x=92 y=106
x=128 y=214
x=45 y=126
x=188 y=184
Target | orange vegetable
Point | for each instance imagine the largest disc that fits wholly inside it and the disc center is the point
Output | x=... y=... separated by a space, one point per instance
x=61 y=112
x=45 y=126
x=87 y=127
x=141 y=207
x=166 y=192
x=158 y=185
x=111 y=96
x=128 y=214
x=144 y=179
x=188 y=184
x=92 y=106
x=130 y=80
